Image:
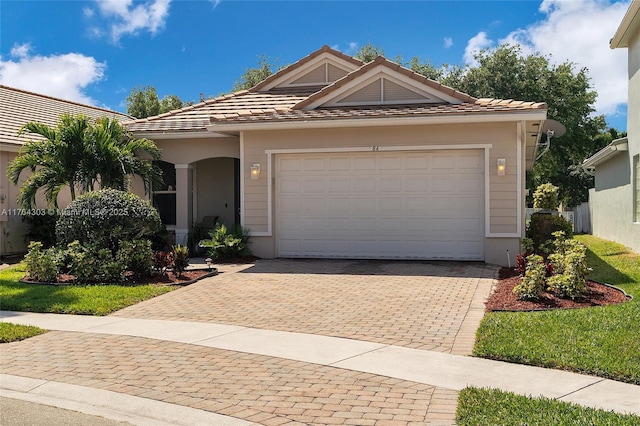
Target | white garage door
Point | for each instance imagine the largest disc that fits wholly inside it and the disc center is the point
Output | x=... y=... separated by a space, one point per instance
x=381 y=205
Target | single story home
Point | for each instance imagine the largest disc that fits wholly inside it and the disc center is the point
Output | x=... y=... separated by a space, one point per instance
x=18 y=108
x=615 y=200
x=334 y=158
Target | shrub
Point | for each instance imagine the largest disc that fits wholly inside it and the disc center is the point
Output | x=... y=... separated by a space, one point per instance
x=570 y=267
x=546 y=197
x=137 y=256
x=162 y=261
x=106 y=217
x=180 y=259
x=92 y=264
x=42 y=265
x=225 y=244
x=531 y=286
x=541 y=228
x=42 y=228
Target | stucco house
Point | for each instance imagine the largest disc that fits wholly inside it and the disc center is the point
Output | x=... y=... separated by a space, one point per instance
x=332 y=157
x=615 y=200
x=18 y=107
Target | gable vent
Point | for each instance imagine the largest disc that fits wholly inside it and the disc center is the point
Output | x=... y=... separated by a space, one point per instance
x=385 y=91
x=324 y=74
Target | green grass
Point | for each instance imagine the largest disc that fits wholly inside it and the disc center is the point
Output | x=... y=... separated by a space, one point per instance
x=602 y=341
x=13 y=332
x=71 y=299
x=493 y=408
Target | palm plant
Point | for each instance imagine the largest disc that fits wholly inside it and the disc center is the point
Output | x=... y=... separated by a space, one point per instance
x=115 y=154
x=82 y=155
x=54 y=162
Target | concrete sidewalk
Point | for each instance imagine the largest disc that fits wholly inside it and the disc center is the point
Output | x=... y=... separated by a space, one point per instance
x=438 y=369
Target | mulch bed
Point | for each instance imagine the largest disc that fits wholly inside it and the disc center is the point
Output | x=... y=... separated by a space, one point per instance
x=503 y=299
x=169 y=278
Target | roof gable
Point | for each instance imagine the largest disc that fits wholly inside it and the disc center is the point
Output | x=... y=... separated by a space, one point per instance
x=320 y=68
x=382 y=82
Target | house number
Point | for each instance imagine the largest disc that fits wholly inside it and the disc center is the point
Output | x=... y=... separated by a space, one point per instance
x=375 y=148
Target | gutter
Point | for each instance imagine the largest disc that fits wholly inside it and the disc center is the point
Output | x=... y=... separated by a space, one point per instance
x=614 y=148
x=377 y=122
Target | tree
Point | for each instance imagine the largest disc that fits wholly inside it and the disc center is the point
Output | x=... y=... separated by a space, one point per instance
x=143 y=102
x=113 y=154
x=253 y=76
x=54 y=163
x=368 y=53
x=81 y=154
x=507 y=73
x=169 y=103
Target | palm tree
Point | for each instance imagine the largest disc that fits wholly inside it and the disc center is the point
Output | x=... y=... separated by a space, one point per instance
x=82 y=155
x=54 y=162
x=115 y=155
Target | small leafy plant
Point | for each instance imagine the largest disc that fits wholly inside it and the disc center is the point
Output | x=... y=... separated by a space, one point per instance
x=162 y=260
x=546 y=197
x=137 y=256
x=570 y=267
x=180 y=259
x=532 y=285
x=226 y=244
x=42 y=265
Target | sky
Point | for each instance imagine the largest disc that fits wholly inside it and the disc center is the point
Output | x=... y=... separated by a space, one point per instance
x=96 y=51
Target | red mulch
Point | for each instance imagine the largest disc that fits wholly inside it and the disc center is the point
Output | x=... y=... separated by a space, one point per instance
x=168 y=279
x=503 y=299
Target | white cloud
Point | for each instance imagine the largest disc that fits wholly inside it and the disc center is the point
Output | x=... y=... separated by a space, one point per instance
x=20 y=50
x=579 y=31
x=477 y=43
x=125 y=17
x=88 y=12
x=215 y=3
x=63 y=76
x=448 y=42
x=353 y=46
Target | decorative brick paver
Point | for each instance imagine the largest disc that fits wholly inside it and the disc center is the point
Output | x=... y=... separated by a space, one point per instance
x=421 y=305
x=265 y=390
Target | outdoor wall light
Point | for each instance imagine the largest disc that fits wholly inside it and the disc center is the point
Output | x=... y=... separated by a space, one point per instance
x=255 y=171
x=502 y=166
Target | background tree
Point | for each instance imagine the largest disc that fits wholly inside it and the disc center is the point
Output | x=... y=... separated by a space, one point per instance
x=81 y=154
x=143 y=102
x=253 y=76
x=507 y=73
x=368 y=53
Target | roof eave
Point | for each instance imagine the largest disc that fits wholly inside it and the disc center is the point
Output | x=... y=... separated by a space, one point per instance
x=379 y=122
x=629 y=25
x=606 y=153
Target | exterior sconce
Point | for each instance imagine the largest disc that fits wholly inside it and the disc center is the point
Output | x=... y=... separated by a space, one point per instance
x=255 y=171
x=502 y=166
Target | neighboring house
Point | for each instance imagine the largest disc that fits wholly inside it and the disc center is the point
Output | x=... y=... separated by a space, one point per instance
x=334 y=158
x=18 y=107
x=615 y=200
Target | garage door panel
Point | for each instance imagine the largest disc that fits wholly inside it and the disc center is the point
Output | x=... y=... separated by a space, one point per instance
x=421 y=205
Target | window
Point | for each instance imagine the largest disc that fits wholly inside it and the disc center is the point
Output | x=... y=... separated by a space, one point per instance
x=165 y=198
x=636 y=188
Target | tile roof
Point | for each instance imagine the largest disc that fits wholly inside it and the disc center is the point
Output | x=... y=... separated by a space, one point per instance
x=18 y=107
x=196 y=117
x=480 y=106
x=287 y=104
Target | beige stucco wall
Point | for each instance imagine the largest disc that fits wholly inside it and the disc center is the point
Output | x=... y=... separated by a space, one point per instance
x=503 y=189
x=187 y=151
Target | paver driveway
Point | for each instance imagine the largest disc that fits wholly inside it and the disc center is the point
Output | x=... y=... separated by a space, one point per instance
x=422 y=305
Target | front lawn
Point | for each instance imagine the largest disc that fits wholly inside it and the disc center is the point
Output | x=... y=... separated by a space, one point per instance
x=14 y=332
x=601 y=341
x=494 y=407
x=70 y=299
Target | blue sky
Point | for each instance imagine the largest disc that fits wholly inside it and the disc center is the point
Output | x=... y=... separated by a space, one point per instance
x=95 y=51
